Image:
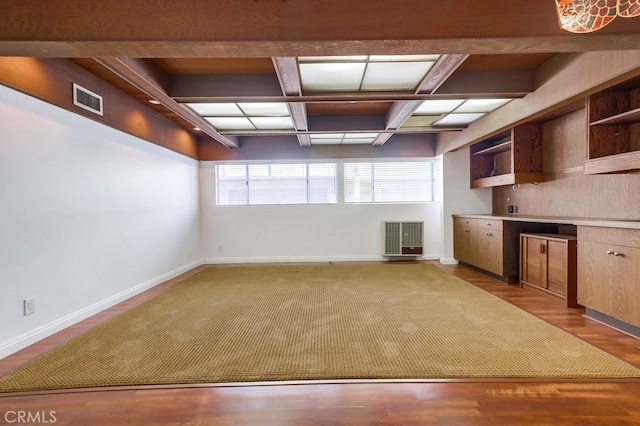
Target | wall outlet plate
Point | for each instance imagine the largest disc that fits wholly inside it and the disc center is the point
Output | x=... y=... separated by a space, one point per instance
x=30 y=306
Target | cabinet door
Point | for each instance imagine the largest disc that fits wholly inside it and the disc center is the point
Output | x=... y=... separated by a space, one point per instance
x=464 y=242
x=594 y=277
x=535 y=261
x=624 y=284
x=490 y=256
x=557 y=274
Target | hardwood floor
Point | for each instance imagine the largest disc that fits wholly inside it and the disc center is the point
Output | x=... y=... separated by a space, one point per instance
x=442 y=402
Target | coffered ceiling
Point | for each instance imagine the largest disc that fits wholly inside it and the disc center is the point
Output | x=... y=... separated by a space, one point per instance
x=320 y=72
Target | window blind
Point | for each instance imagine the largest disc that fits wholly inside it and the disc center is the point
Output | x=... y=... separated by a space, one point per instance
x=279 y=183
x=393 y=182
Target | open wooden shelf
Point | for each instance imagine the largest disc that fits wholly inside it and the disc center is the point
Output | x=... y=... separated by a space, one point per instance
x=513 y=156
x=496 y=149
x=628 y=117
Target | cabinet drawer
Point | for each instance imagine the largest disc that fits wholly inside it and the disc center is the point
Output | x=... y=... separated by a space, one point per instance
x=465 y=222
x=617 y=236
x=495 y=225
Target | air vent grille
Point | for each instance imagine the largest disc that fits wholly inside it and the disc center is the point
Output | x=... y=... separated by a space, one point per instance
x=392 y=238
x=86 y=99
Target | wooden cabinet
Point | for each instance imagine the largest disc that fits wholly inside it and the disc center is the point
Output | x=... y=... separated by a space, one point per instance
x=548 y=261
x=490 y=246
x=609 y=264
x=614 y=130
x=508 y=158
x=465 y=239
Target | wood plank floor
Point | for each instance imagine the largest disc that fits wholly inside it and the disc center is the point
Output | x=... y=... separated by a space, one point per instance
x=445 y=402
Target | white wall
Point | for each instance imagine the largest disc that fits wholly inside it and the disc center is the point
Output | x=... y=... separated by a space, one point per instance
x=88 y=216
x=293 y=233
x=458 y=197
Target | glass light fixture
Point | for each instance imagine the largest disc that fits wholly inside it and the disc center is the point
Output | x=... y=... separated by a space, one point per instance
x=585 y=16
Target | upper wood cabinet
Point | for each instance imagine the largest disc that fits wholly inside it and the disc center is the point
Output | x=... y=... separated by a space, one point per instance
x=614 y=130
x=511 y=157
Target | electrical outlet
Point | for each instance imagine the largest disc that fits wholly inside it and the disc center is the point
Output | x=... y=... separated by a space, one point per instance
x=30 y=306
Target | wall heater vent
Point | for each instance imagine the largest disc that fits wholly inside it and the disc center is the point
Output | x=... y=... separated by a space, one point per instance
x=402 y=238
x=86 y=99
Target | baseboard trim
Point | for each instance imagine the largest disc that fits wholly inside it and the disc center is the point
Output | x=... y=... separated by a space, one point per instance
x=291 y=259
x=448 y=261
x=20 y=342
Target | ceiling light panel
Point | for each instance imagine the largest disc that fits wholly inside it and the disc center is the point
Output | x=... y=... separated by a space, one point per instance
x=231 y=123
x=334 y=77
x=403 y=58
x=481 y=105
x=327 y=139
x=264 y=109
x=458 y=119
x=359 y=138
x=272 y=123
x=438 y=106
x=217 y=109
x=352 y=58
x=387 y=76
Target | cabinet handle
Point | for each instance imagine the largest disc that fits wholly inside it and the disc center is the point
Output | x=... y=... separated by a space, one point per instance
x=615 y=253
x=488 y=233
x=542 y=248
x=488 y=224
x=466 y=230
x=609 y=252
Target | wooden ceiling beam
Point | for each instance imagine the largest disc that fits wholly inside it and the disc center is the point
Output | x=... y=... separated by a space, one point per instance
x=289 y=77
x=432 y=81
x=250 y=28
x=147 y=77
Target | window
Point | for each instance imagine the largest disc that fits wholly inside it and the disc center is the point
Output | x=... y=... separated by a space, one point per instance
x=393 y=182
x=299 y=183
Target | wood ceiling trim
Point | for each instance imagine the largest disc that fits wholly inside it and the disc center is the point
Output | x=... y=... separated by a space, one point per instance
x=144 y=75
x=311 y=20
x=439 y=72
x=289 y=78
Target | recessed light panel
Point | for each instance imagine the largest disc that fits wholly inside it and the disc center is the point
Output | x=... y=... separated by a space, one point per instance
x=217 y=109
x=438 y=106
x=387 y=76
x=458 y=119
x=230 y=123
x=264 y=109
x=481 y=105
x=272 y=123
x=333 y=77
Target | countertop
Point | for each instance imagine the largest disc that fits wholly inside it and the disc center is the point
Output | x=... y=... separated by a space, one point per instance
x=582 y=221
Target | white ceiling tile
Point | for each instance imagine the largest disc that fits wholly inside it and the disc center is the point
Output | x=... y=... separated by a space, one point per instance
x=264 y=109
x=404 y=58
x=387 y=76
x=438 y=106
x=481 y=105
x=458 y=119
x=230 y=123
x=331 y=76
x=272 y=123
x=216 y=109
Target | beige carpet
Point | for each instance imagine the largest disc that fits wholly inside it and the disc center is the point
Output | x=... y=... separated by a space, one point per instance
x=261 y=323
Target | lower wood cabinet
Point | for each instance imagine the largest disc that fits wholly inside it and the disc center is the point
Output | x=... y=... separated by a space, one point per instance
x=548 y=262
x=465 y=239
x=608 y=275
x=490 y=246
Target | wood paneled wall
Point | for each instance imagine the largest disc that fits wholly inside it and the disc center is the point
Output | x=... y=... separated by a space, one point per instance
x=51 y=80
x=567 y=191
